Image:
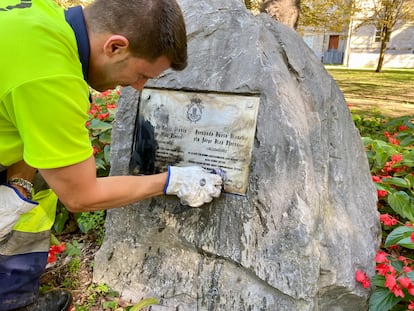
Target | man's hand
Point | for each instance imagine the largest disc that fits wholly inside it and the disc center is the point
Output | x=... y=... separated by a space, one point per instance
x=193 y=185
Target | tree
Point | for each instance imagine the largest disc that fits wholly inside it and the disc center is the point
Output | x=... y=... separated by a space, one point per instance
x=330 y=15
x=385 y=15
x=284 y=11
x=326 y=16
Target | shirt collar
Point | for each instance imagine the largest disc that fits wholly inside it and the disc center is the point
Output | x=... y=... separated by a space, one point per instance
x=74 y=17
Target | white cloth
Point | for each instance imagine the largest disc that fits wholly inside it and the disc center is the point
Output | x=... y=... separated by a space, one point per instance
x=193 y=185
x=12 y=205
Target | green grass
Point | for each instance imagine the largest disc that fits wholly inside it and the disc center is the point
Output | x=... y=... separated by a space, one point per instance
x=376 y=98
x=389 y=93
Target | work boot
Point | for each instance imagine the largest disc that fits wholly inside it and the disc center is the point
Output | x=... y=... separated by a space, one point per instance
x=56 y=300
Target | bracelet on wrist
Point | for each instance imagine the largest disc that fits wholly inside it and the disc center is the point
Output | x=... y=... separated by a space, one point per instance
x=25 y=184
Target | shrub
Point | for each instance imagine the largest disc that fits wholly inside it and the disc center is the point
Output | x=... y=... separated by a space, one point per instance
x=392 y=166
x=101 y=115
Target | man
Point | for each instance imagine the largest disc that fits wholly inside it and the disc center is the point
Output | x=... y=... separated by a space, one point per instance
x=48 y=57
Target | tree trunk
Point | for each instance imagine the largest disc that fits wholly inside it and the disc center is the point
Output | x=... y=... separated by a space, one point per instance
x=384 y=41
x=284 y=11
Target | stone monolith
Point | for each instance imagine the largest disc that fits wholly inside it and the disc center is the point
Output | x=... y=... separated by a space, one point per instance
x=308 y=220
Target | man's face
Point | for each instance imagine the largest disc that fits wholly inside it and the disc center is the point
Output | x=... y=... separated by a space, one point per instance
x=130 y=71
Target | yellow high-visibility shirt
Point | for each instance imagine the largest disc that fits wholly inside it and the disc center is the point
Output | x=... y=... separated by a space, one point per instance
x=44 y=98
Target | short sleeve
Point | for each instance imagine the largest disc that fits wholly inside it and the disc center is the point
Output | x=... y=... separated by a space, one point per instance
x=50 y=116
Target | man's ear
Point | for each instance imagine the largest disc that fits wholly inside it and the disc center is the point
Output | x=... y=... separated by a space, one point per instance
x=116 y=45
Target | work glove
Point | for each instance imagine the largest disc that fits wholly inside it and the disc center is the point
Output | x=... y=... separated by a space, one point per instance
x=12 y=205
x=193 y=185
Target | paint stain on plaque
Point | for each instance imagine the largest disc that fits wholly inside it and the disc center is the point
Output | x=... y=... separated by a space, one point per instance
x=144 y=147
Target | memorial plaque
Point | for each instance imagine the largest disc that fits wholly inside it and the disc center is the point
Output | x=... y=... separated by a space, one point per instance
x=212 y=130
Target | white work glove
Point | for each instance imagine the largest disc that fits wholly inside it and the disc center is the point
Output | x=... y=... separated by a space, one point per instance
x=12 y=205
x=193 y=185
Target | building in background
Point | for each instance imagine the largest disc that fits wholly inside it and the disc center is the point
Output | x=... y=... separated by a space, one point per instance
x=359 y=41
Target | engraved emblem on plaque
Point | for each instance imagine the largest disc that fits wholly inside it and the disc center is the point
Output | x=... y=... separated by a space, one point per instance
x=211 y=130
x=194 y=110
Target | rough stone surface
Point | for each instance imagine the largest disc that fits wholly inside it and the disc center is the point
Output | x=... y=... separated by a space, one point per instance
x=309 y=218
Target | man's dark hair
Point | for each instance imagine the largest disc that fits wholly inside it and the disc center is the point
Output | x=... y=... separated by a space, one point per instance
x=154 y=28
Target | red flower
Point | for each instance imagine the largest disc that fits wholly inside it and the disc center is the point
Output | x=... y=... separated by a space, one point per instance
x=405 y=282
x=397 y=291
x=393 y=141
x=381 y=257
x=106 y=93
x=412 y=237
x=376 y=179
x=95 y=150
x=390 y=281
x=382 y=193
x=362 y=278
x=403 y=259
x=396 y=158
x=411 y=305
x=110 y=106
x=103 y=116
x=402 y=128
x=94 y=110
x=384 y=268
x=51 y=258
x=388 y=220
x=55 y=250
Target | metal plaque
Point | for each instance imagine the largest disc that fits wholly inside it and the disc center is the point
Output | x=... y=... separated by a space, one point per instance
x=212 y=130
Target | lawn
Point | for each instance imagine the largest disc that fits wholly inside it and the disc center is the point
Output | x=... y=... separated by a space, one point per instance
x=389 y=93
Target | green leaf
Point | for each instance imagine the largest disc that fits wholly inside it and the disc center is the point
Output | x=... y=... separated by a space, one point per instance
x=407 y=243
x=100 y=163
x=61 y=217
x=396 y=181
x=145 y=303
x=98 y=125
x=398 y=234
x=410 y=180
x=378 y=280
x=409 y=163
x=411 y=275
x=107 y=154
x=402 y=204
x=405 y=138
x=105 y=137
x=54 y=240
x=366 y=141
x=109 y=305
x=73 y=249
x=382 y=300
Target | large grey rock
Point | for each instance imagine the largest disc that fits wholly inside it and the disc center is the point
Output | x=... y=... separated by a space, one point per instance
x=309 y=218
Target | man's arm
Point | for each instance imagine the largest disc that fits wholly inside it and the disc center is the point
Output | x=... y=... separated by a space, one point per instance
x=80 y=190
